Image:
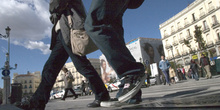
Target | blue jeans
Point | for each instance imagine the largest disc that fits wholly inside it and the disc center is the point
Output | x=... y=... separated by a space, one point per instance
x=104 y=25
x=167 y=76
x=58 y=57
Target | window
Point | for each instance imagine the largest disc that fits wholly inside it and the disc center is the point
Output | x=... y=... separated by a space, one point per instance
x=193 y=17
x=185 y=21
x=201 y=12
x=172 y=30
x=25 y=86
x=188 y=32
x=165 y=33
x=25 y=81
x=30 y=81
x=178 y=25
x=205 y=25
x=214 y=20
x=30 y=86
x=218 y=35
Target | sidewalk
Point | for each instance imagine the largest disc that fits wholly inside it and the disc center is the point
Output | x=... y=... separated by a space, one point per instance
x=187 y=94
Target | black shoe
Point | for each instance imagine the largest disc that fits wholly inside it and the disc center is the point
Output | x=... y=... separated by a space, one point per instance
x=95 y=103
x=132 y=85
x=63 y=99
x=76 y=96
x=29 y=105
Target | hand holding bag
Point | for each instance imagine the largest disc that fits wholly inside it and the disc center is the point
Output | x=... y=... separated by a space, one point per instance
x=81 y=43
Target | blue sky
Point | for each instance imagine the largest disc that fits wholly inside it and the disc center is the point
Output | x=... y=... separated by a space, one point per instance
x=30 y=29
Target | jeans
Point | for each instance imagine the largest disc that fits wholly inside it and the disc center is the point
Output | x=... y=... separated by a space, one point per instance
x=195 y=76
x=167 y=76
x=104 y=25
x=58 y=57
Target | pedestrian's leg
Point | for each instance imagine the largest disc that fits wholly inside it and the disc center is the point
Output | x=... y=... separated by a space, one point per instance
x=73 y=92
x=166 y=76
x=49 y=74
x=104 y=26
x=65 y=94
x=84 y=67
x=207 y=68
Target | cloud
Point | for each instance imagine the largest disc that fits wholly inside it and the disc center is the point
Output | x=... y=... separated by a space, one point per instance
x=29 y=22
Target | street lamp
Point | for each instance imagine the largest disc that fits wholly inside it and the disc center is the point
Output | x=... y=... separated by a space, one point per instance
x=6 y=69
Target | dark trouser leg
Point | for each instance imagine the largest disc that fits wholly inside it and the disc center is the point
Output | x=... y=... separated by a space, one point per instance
x=104 y=26
x=84 y=67
x=65 y=94
x=49 y=74
x=73 y=92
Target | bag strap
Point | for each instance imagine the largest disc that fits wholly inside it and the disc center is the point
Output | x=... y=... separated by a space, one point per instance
x=69 y=21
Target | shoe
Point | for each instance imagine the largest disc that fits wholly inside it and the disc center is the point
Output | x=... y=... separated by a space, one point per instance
x=29 y=105
x=95 y=103
x=76 y=96
x=110 y=103
x=63 y=99
x=134 y=101
x=132 y=85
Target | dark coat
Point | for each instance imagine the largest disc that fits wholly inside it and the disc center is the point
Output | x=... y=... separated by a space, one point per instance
x=194 y=68
x=202 y=61
x=58 y=12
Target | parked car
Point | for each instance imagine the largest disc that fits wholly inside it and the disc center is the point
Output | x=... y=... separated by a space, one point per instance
x=59 y=94
x=114 y=86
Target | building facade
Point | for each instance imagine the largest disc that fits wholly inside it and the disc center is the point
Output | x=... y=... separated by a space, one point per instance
x=59 y=85
x=202 y=13
x=29 y=81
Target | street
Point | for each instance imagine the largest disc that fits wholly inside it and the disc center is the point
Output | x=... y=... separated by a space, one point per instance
x=189 y=94
x=185 y=94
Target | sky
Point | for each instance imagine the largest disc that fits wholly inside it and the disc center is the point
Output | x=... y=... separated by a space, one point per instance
x=30 y=33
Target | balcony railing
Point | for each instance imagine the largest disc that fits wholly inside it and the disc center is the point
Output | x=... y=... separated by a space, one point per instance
x=215 y=25
x=189 y=37
x=202 y=15
x=206 y=29
x=212 y=8
x=167 y=46
x=210 y=44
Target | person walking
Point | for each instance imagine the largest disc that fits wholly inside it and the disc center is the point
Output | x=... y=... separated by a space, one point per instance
x=104 y=26
x=68 y=79
x=172 y=75
x=60 y=52
x=164 y=65
x=205 y=65
x=194 y=69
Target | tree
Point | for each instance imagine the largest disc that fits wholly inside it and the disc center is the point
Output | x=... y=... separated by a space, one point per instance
x=199 y=39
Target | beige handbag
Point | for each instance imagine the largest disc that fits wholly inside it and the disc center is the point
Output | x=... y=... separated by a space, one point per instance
x=81 y=43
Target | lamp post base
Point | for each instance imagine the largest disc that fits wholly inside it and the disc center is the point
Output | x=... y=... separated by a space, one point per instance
x=6 y=90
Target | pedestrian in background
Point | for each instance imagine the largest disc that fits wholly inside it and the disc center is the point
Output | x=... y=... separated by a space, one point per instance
x=172 y=75
x=205 y=65
x=164 y=65
x=68 y=81
x=194 y=69
x=180 y=74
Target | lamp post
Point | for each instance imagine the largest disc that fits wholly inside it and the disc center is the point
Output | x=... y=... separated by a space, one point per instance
x=6 y=69
x=174 y=62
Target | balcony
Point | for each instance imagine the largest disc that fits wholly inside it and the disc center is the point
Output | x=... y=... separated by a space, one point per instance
x=181 y=40
x=210 y=44
x=167 y=46
x=202 y=15
x=211 y=9
x=215 y=25
x=189 y=37
x=175 y=43
x=206 y=29
x=187 y=24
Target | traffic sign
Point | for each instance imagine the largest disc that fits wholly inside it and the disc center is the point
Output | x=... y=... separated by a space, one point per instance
x=5 y=72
